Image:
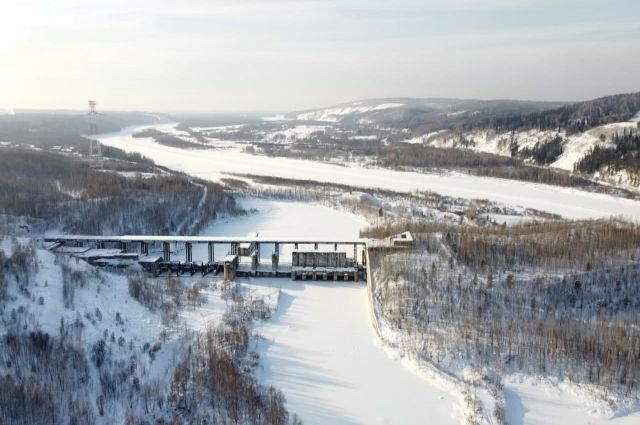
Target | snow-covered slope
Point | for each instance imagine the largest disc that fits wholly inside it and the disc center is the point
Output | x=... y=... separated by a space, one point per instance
x=575 y=148
x=336 y=113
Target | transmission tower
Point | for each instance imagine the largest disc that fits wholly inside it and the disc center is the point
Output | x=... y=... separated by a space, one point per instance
x=94 y=151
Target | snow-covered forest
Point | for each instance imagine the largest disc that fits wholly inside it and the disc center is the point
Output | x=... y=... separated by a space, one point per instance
x=554 y=299
x=123 y=194
x=83 y=346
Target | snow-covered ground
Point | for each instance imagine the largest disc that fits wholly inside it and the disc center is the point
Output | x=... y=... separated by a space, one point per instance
x=294 y=133
x=208 y=164
x=539 y=402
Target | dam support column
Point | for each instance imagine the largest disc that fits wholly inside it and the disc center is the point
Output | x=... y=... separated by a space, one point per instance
x=166 y=251
x=188 y=252
x=210 y=246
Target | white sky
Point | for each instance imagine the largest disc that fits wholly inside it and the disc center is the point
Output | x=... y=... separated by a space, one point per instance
x=281 y=55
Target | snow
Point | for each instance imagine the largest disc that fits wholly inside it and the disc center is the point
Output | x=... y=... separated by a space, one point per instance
x=295 y=133
x=283 y=220
x=110 y=297
x=319 y=347
x=171 y=129
x=364 y=137
x=221 y=128
x=534 y=401
x=579 y=145
x=415 y=140
x=279 y=117
x=337 y=113
x=425 y=138
x=567 y=202
x=102 y=303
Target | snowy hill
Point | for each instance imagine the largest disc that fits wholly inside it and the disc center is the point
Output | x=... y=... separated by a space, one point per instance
x=412 y=112
x=563 y=137
x=490 y=141
x=572 y=147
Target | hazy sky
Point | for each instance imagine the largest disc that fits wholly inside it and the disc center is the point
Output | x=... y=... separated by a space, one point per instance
x=280 y=55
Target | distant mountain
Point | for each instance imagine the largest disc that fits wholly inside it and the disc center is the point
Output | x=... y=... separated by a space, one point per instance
x=422 y=114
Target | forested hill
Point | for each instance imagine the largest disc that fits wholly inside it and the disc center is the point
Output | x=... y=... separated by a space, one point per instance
x=64 y=128
x=128 y=194
x=572 y=118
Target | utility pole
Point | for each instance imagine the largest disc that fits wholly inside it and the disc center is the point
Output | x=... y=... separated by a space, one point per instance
x=94 y=151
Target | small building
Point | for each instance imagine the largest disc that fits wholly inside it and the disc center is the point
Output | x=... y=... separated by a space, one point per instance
x=404 y=239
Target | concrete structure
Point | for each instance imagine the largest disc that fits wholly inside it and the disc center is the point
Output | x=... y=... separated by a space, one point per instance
x=230 y=264
x=319 y=259
x=154 y=253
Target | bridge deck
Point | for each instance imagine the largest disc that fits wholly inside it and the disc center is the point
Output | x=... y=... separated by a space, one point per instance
x=202 y=239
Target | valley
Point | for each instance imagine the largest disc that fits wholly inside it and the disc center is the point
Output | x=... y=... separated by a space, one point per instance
x=313 y=347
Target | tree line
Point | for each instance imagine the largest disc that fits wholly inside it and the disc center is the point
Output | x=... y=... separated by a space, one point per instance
x=573 y=118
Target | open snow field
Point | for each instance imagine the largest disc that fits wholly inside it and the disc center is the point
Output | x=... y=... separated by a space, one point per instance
x=212 y=164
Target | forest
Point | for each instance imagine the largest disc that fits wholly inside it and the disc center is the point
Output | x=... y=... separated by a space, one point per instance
x=123 y=196
x=556 y=298
x=573 y=118
x=169 y=139
x=622 y=154
x=542 y=153
x=91 y=365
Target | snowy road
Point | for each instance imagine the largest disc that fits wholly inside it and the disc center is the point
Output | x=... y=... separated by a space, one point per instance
x=212 y=164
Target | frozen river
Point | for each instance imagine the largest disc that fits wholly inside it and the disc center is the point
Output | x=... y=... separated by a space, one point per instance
x=212 y=164
x=319 y=347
